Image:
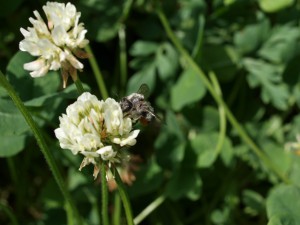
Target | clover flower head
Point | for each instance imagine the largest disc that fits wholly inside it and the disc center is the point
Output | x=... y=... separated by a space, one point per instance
x=97 y=130
x=56 y=43
x=293 y=146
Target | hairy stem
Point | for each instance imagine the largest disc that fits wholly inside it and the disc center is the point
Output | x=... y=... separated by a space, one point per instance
x=79 y=86
x=104 y=192
x=42 y=144
x=124 y=197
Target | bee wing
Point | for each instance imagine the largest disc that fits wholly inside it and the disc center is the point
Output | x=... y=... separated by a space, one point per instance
x=144 y=90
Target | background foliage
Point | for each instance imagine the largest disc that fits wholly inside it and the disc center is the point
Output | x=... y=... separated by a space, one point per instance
x=249 y=49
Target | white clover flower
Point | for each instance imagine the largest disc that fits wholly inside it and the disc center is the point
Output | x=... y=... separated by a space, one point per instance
x=293 y=146
x=55 y=43
x=107 y=153
x=97 y=130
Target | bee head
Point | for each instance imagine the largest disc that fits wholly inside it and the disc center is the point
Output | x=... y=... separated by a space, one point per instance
x=126 y=105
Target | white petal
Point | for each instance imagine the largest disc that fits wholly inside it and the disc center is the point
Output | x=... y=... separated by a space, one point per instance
x=35 y=65
x=25 y=33
x=130 y=140
x=59 y=35
x=38 y=67
x=107 y=153
x=74 y=62
x=32 y=48
x=39 y=73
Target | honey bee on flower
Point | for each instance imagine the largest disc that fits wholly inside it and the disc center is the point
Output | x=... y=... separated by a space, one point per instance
x=136 y=107
x=97 y=130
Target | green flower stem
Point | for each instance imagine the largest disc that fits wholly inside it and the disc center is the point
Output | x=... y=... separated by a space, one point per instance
x=126 y=10
x=124 y=197
x=7 y=210
x=242 y=133
x=117 y=209
x=123 y=57
x=149 y=209
x=42 y=144
x=104 y=192
x=70 y=217
x=79 y=86
x=196 y=52
x=222 y=113
x=97 y=72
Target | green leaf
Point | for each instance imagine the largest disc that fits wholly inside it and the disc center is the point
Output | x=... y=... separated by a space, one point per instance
x=220 y=216
x=11 y=120
x=26 y=86
x=294 y=172
x=146 y=75
x=222 y=59
x=188 y=89
x=12 y=144
x=76 y=179
x=282 y=44
x=205 y=117
x=170 y=152
x=166 y=61
x=170 y=143
x=185 y=182
x=268 y=76
x=204 y=145
x=227 y=153
x=149 y=178
x=13 y=129
x=173 y=126
x=40 y=101
x=251 y=36
x=151 y=58
x=254 y=202
x=105 y=18
x=70 y=92
x=283 y=205
x=143 y=48
x=51 y=195
x=271 y=6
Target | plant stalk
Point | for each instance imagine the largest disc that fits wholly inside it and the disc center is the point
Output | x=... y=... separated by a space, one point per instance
x=97 y=72
x=124 y=197
x=242 y=133
x=79 y=86
x=104 y=192
x=42 y=144
x=117 y=209
x=123 y=57
x=149 y=209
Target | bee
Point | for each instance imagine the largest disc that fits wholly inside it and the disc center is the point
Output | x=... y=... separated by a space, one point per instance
x=137 y=108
